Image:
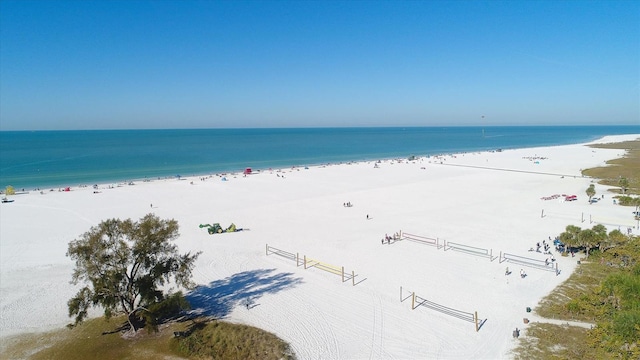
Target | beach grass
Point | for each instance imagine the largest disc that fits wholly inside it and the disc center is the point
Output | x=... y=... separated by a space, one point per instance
x=224 y=340
x=100 y=339
x=550 y=341
x=567 y=301
x=577 y=299
x=627 y=167
x=584 y=280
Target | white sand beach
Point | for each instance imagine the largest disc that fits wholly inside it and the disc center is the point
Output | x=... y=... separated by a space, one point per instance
x=489 y=201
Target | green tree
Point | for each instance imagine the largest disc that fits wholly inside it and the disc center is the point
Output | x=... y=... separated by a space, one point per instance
x=616 y=238
x=601 y=235
x=624 y=184
x=588 y=238
x=124 y=263
x=623 y=289
x=570 y=236
x=591 y=191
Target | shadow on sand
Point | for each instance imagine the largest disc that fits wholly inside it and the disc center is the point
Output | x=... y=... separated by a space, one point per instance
x=219 y=297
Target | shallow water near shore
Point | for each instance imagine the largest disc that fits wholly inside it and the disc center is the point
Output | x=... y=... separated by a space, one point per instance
x=34 y=159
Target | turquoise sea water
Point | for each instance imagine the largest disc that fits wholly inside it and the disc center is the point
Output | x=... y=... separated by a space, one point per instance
x=41 y=159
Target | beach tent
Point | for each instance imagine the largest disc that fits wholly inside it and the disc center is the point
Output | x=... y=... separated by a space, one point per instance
x=247 y=171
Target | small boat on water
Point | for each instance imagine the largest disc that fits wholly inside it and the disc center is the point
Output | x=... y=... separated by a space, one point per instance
x=5 y=200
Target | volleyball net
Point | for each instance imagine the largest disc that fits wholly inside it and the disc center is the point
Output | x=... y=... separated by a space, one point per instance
x=270 y=250
x=418 y=302
x=472 y=250
x=447 y=245
x=593 y=219
x=626 y=223
x=425 y=240
x=309 y=263
x=563 y=215
x=529 y=262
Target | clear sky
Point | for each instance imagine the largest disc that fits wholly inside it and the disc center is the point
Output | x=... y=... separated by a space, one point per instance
x=211 y=64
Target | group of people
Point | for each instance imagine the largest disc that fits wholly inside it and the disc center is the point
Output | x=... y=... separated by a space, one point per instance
x=544 y=245
x=388 y=238
x=347 y=204
x=547 y=262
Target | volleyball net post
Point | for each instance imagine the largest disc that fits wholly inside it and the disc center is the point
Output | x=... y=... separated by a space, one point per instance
x=475 y=316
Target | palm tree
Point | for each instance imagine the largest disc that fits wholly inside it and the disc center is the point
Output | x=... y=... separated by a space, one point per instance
x=600 y=235
x=570 y=236
x=624 y=184
x=588 y=238
x=594 y=237
x=591 y=191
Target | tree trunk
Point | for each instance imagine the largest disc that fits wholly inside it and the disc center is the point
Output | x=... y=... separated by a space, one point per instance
x=132 y=325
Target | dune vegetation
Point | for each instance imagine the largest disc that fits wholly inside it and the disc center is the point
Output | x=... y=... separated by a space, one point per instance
x=603 y=290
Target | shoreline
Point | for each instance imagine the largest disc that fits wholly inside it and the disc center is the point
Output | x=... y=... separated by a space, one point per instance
x=466 y=202
x=238 y=166
x=123 y=182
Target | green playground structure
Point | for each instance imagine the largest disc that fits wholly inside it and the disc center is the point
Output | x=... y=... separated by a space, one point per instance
x=217 y=229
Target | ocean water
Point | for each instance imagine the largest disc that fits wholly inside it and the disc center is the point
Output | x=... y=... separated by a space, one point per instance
x=42 y=159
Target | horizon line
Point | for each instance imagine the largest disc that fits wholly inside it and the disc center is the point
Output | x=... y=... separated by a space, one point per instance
x=325 y=127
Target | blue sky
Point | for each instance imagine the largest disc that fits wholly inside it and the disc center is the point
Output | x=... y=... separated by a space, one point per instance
x=211 y=64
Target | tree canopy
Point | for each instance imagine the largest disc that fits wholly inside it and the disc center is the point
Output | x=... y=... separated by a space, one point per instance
x=124 y=264
x=574 y=236
x=624 y=184
x=591 y=191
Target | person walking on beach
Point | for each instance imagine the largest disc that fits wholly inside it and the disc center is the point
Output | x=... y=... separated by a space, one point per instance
x=522 y=273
